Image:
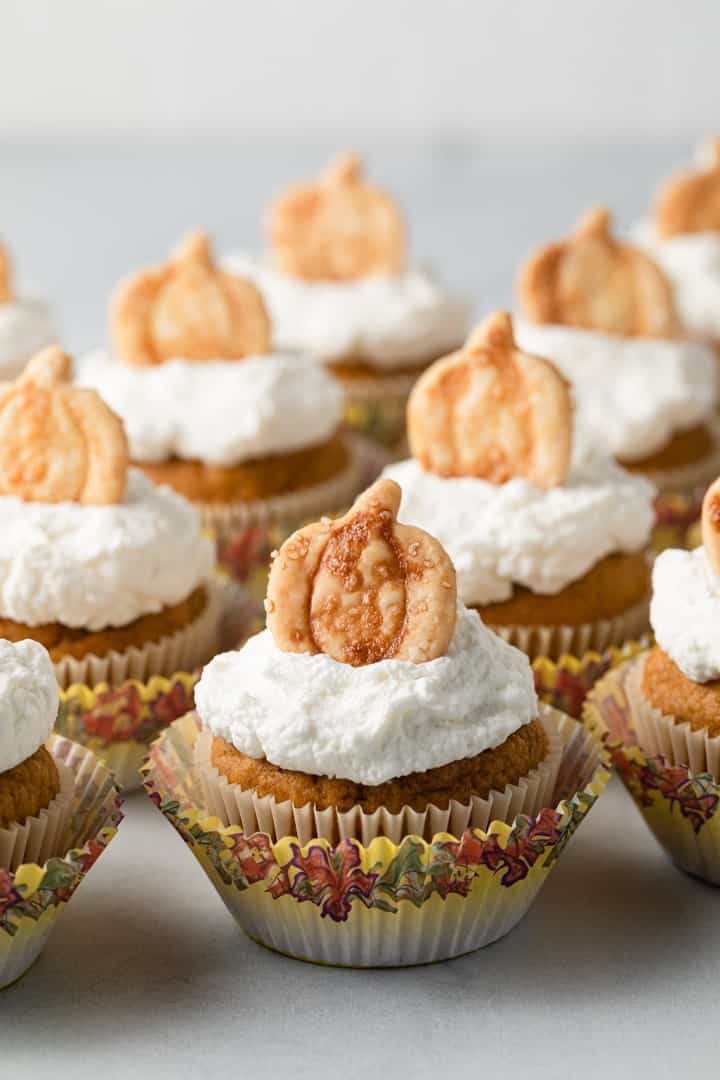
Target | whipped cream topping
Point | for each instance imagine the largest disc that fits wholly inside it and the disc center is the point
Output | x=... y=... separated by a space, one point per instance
x=26 y=326
x=692 y=262
x=100 y=566
x=220 y=412
x=501 y=535
x=389 y=320
x=685 y=612
x=631 y=394
x=29 y=700
x=368 y=724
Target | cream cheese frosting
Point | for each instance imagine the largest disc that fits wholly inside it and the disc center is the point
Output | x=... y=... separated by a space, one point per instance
x=692 y=262
x=685 y=612
x=26 y=326
x=368 y=724
x=502 y=535
x=391 y=320
x=631 y=394
x=100 y=566
x=29 y=700
x=220 y=412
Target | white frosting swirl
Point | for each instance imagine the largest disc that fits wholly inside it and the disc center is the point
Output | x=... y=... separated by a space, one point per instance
x=368 y=724
x=26 y=326
x=390 y=320
x=501 y=535
x=100 y=566
x=631 y=394
x=221 y=412
x=692 y=262
x=29 y=700
x=685 y=612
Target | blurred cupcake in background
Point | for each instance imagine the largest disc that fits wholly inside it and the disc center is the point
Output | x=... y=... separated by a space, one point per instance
x=682 y=233
x=549 y=541
x=110 y=573
x=252 y=437
x=644 y=392
x=26 y=323
x=339 y=287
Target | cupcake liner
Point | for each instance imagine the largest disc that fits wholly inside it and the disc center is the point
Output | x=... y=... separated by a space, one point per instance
x=256 y=813
x=186 y=649
x=41 y=835
x=680 y=802
x=383 y=903
x=556 y=641
x=565 y=683
x=32 y=894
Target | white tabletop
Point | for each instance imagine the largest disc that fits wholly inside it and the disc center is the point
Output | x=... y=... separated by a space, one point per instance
x=615 y=970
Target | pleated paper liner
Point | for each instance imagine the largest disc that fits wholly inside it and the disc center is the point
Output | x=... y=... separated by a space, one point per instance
x=33 y=892
x=375 y=408
x=556 y=641
x=680 y=495
x=671 y=775
x=565 y=683
x=383 y=903
x=42 y=835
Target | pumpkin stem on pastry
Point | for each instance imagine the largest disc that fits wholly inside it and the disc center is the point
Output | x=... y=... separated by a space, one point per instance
x=190 y=309
x=594 y=222
x=711 y=525
x=689 y=202
x=6 y=292
x=59 y=443
x=363 y=588
x=344 y=169
x=492 y=412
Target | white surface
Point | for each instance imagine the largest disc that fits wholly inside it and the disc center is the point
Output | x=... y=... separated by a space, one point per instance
x=486 y=67
x=615 y=971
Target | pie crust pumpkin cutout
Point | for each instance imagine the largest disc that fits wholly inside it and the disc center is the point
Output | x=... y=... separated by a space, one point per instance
x=59 y=443
x=6 y=292
x=711 y=525
x=336 y=228
x=190 y=309
x=592 y=280
x=690 y=201
x=363 y=588
x=492 y=412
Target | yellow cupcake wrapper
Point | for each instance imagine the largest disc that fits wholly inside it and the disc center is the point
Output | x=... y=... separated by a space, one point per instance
x=565 y=683
x=385 y=903
x=579 y=640
x=681 y=807
x=32 y=896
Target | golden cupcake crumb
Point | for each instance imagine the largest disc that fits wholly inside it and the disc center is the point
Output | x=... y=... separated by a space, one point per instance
x=684 y=448
x=28 y=788
x=667 y=689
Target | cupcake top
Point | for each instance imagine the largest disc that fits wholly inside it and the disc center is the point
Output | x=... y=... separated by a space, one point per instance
x=495 y=477
x=29 y=700
x=83 y=541
x=192 y=374
x=337 y=281
x=685 y=607
x=605 y=313
x=26 y=323
x=369 y=669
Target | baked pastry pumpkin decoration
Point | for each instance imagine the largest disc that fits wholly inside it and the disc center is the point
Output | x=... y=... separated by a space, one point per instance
x=188 y=308
x=711 y=525
x=59 y=443
x=6 y=292
x=690 y=201
x=592 y=280
x=336 y=228
x=492 y=412
x=363 y=588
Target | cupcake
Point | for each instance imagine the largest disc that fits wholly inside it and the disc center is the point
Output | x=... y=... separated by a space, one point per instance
x=58 y=807
x=26 y=324
x=250 y=436
x=375 y=750
x=549 y=541
x=683 y=234
x=110 y=573
x=605 y=313
x=664 y=708
x=339 y=287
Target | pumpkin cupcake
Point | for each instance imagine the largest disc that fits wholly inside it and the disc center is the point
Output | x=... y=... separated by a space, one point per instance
x=110 y=573
x=549 y=543
x=250 y=436
x=26 y=323
x=605 y=314
x=339 y=287
x=375 y=749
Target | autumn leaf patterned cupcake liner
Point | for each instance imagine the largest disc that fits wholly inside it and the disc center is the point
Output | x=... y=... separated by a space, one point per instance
x=680 y=496
x=34 y=891
x=670 y=772
x=385 y=902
